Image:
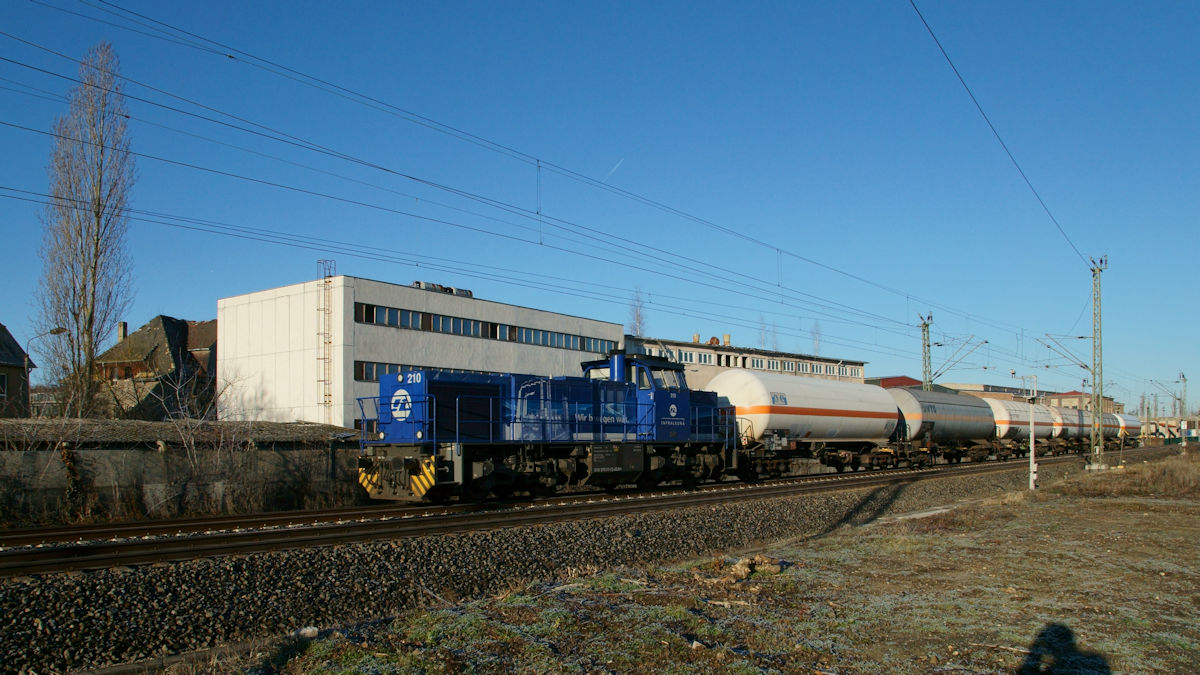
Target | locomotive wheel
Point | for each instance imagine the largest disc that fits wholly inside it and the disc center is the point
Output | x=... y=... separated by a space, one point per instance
x=476 y=490
x=437 y=495
x=747 y=474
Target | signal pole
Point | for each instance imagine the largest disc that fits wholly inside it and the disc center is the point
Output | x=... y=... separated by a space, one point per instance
x=1097 y=462
x=1032 y=429
x=1183 y=412
x=926 y=361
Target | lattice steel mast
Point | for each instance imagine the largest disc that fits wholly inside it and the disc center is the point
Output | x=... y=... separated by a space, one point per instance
x=926 y=361
x=1098 y=266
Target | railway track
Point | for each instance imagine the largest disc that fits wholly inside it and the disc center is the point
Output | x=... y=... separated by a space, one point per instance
x=72 y=549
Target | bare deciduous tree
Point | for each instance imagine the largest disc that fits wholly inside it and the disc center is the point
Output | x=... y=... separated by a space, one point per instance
x=637 y=314
x=85 y=285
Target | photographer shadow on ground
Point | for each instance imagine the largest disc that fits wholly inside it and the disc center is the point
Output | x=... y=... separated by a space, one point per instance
x=1054 y=651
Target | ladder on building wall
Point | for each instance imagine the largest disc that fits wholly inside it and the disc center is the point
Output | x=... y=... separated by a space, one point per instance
x=325 y=340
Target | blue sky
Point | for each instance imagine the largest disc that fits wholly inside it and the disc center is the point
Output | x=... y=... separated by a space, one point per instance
x=768 y=170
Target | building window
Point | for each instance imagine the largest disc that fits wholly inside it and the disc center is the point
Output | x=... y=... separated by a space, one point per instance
x=829 y=369
x=789 y=366
x=704 y=358
x=402 y=318
x=3 y=385
x=772 y=364
x=756 y=363
x=841 y=371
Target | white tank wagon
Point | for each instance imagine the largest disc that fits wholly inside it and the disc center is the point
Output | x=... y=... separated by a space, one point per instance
x=1131 y=425
x=1012 y=425
x=952 y=425
x=840 y=423
x=1070 y=423
x=1072 y=430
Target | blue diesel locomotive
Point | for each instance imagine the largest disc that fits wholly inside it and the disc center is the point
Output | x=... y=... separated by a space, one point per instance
x=630 y=419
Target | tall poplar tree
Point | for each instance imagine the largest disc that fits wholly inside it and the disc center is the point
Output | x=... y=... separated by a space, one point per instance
x=85 y=285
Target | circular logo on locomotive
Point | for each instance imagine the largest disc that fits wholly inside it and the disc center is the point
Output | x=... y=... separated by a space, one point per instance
x=401 y=405
x=673 y=410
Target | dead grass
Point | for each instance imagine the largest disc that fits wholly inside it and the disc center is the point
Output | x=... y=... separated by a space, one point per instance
x=1057 y=579
x=1172 y=478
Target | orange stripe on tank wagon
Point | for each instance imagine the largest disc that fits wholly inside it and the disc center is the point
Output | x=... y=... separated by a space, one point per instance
x=1052 y=424
x=812 y=412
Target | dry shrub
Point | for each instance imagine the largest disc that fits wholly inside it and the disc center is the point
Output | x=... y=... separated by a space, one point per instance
x=1172 y=478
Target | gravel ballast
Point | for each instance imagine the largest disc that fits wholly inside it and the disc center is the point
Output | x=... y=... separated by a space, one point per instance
x=106 y=617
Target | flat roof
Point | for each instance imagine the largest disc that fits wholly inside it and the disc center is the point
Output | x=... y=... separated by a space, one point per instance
x=744 y=350
x=413 y=288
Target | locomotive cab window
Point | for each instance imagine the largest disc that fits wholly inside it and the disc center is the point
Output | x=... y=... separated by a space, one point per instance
x=643 y=379
x=668 y=379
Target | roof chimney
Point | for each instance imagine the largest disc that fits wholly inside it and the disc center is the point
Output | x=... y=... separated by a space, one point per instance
x=726 y=336
x=122 y=331
x=695 y=338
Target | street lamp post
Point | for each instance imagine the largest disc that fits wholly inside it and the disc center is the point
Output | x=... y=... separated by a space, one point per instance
x=57 y=330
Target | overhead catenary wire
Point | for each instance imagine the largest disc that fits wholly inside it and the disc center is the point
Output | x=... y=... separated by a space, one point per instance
x=313 y=147
x=350 y=249
x=171 y=33
x=996 y=133
x=503 y=275
x=275 y=135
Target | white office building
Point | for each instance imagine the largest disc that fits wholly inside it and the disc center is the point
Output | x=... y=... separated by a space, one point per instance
x=308 y=351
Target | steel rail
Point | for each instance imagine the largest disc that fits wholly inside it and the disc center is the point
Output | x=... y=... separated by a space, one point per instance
x=116 y=553
x=213 y=524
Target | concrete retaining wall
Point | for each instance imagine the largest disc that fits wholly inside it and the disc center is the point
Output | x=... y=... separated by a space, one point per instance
x=52 y=486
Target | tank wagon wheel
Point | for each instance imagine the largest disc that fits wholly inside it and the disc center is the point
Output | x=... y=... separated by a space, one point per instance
x=647 y=482
x=540 y=490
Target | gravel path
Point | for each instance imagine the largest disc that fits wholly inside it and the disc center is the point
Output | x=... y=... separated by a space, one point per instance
x=106 y=617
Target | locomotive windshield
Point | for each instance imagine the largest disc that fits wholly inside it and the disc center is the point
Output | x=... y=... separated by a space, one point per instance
x=662 y=378
x=667 y=379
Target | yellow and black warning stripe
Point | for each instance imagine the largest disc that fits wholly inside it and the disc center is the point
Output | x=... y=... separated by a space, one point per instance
x=370 y=478
x=423 y=481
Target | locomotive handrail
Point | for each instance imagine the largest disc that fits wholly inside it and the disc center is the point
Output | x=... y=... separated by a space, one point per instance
x=427 y=401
